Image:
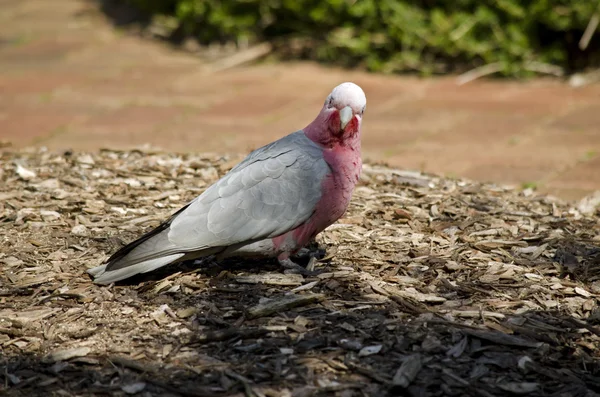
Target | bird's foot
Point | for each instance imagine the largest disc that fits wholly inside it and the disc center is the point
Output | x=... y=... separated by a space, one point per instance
x=293 y=267
x=304 y=253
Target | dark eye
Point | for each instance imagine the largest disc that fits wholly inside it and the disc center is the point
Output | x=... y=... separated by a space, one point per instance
x=330 y=101
x=363 y=110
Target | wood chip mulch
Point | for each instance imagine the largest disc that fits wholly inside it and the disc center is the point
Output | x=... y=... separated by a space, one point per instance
x=427 y=287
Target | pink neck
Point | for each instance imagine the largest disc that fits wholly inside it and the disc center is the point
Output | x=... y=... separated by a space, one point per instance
x=318 y=132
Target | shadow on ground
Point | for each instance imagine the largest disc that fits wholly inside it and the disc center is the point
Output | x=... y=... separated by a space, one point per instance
x=124 y=15
x=542 y=355
x=348 y=345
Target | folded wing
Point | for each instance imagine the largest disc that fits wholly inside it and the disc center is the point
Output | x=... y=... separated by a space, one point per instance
x=274 y=190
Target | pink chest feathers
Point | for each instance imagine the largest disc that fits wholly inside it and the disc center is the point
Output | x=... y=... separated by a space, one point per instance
x=337 y=189
x=346 y=164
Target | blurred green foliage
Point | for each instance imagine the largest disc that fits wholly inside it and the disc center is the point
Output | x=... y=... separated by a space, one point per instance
x=427 y=36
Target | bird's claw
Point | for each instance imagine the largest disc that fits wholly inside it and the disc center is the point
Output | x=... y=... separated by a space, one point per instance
x=304 y=253
x=293 y=267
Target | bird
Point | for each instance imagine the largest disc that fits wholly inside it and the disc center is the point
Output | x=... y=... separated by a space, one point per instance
x=269 y=205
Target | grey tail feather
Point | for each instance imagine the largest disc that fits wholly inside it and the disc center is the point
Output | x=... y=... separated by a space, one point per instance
x=102 y=275
x=115 y=258
x=117 y=267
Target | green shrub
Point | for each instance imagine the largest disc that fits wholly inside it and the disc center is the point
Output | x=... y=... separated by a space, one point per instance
x=427 y=36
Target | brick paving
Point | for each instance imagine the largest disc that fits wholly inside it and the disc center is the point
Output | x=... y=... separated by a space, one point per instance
x=69 y=79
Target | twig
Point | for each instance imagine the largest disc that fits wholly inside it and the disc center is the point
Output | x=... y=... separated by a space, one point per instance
x=219 y=336
x=476 y=314
x=241 y=57
x=448 y=372
x=13 y=333
x=271 y=279
x=410 y=306
x=541 y=67
x=369 y=373
x=64 y=296
x=589 y=32
x=580 y=324
x=197 y=392
x=478 y=72
x=131 y=364
x=447 y=323
x=283 y=303
x=502 y=339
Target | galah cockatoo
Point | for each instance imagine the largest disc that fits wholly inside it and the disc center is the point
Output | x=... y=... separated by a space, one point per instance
x=269 y=205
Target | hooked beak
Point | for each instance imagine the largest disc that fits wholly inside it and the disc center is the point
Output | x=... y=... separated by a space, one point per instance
x=345 y=117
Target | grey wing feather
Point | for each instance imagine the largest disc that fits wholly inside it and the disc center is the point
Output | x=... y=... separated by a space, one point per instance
x=275 y=189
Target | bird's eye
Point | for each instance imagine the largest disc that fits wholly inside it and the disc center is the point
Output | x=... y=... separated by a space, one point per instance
x=330 y=102
x=363 y=110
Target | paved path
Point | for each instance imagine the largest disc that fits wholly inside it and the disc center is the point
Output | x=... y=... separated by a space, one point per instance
x=69 y=79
